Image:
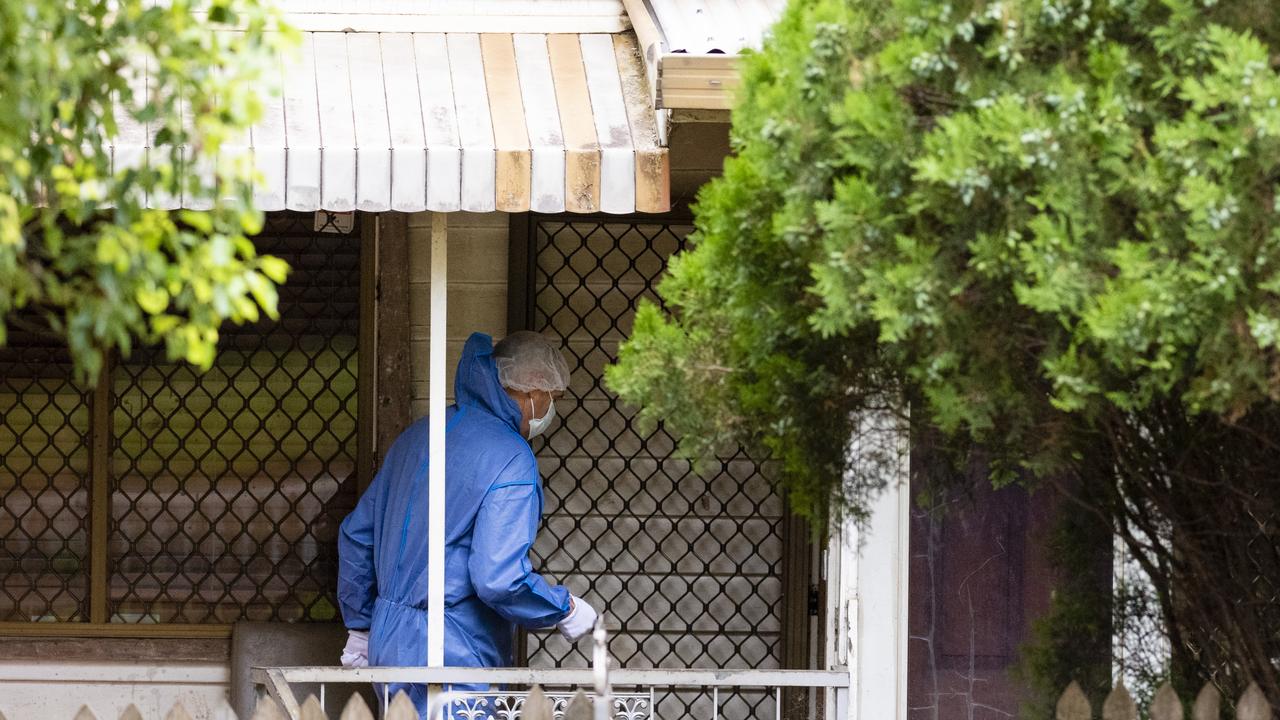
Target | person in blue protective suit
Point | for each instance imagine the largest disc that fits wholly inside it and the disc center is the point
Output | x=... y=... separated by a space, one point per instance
x=504 y=396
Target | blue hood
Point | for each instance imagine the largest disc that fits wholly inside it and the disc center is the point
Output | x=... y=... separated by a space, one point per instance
x=476 y=383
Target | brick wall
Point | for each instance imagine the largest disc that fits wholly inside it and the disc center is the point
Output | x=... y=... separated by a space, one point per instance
x=477 y=290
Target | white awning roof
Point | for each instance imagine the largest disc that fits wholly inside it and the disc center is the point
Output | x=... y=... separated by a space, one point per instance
x=692 y=47
x=713 y=26
x=455 y=121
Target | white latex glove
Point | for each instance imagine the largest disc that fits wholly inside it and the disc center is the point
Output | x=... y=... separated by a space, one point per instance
x=356 y=653
x=580 y=621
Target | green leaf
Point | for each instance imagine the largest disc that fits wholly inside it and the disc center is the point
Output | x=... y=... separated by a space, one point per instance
x=202 y=222
x=274 y=268
x=152 y=300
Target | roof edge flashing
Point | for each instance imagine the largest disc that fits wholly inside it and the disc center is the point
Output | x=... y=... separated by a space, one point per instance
x=688 y=81
x=443 y=23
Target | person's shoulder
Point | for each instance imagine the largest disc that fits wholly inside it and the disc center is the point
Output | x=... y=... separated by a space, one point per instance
x=523 y=460
x=511 y=453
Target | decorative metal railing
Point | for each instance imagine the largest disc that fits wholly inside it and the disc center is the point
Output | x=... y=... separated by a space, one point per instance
x=638 y=702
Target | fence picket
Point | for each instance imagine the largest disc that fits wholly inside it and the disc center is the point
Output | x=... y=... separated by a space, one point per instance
x=1119 y=705
x=536 y=706
x=579 y=708
x=402 y=708
x=178 y=712
x=1166 y=705
x=131 y=713
x=1253 y=704
x=1208 y=704
x=222 y=711
x=1073 y=705
x=85 y=714
x=311 y=709
x=267 y=709
x=356 y=709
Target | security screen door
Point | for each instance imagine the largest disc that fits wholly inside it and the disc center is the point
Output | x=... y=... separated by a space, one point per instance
x=688 y=568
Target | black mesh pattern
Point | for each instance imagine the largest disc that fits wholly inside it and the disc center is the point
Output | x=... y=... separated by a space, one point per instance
x=44 y=479
x=688 y=567
x=230 y=485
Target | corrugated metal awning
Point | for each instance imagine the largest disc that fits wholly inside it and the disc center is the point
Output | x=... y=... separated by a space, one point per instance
x=455 y=121
x=692 y=47
x=714 y=26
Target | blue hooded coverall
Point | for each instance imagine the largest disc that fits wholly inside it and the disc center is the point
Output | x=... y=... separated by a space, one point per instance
x=493 y=505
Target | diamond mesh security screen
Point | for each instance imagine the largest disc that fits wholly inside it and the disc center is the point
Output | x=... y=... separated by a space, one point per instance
x=44 y=469
x=688 y=568
x=230 y=485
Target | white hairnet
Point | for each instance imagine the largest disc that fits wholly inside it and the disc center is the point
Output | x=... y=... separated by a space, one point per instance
x=527 y=361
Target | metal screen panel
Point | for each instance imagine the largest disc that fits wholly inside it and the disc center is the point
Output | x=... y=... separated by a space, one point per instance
x=689 y=568
x=44 y=471
x=229 y=485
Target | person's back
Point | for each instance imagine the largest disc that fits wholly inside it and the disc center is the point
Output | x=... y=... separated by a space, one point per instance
x=493 y=505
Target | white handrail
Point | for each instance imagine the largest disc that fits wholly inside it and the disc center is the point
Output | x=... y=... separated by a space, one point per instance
x=625 y=677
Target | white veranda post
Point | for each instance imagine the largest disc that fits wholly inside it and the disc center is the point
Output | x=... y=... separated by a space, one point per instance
x=438 y=391
x=867 y=579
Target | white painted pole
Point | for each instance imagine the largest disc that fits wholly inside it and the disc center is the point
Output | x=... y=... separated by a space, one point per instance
x=872 y=627
x=435 y=493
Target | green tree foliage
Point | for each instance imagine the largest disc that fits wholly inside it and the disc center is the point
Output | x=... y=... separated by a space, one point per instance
x=79 y=247
x=1030 y=211
x=1035 y=220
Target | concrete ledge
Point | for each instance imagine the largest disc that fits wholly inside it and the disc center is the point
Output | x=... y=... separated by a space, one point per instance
x=95 y=649
x=54 y=689
x=117 y=673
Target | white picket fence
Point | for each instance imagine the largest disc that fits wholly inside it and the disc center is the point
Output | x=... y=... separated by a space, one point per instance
x=1165 y=705
x=535 y=705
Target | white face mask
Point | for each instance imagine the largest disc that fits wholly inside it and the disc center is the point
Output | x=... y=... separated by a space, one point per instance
x=537 y=426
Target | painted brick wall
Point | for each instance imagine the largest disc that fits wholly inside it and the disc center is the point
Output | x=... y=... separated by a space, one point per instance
x=697 y=155
x=477 y=290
